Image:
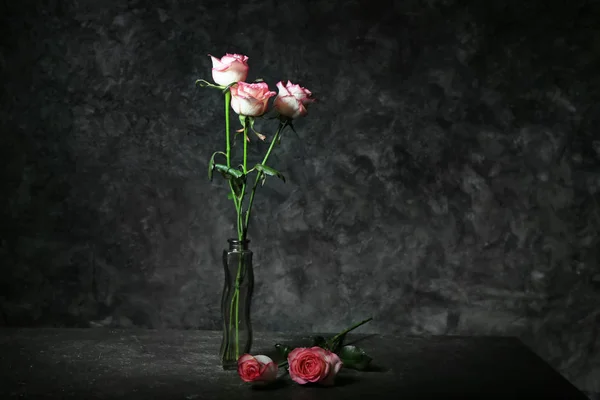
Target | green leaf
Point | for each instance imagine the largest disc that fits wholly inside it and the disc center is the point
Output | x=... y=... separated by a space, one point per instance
x=211 y=167
x=238 y=186
x=229 y=172
x=283 y=350
x=354 y=357
x=236 y=177
x=211 y=164
x=204 y=83
x=230 y=195
x=269 y=171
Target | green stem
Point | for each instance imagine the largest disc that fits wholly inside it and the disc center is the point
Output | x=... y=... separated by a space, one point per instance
x=242 y=238
x=282 y=125
x=234 y=306
x=240 y=218
x=227 y=143
x=231 y=314
x=275 y=138
x=245 y=138
x=333 y=339
x=235 y=300
x=237 y=321
x=236 y=203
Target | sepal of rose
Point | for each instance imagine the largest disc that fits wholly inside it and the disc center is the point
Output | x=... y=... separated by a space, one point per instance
x=251 y=119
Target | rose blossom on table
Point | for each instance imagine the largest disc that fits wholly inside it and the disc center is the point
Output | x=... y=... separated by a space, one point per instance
x=257 y=369
x=229 y=69
x=292 y=100
x=250 y=99
x=314 y=365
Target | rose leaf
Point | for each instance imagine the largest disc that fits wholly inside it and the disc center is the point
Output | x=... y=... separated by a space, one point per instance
x=236 y=177
x=211 y=164
x=354 y=357
x=269 y=171
x=283 y=350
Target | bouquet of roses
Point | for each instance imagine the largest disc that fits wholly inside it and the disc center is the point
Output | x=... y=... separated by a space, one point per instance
x=249 y=101
x=321 y=362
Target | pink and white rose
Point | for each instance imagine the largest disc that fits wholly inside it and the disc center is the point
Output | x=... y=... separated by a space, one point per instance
x=292 y=100
x=257 y=369
x=315 y=365
x=250 y=99
x=229 y=69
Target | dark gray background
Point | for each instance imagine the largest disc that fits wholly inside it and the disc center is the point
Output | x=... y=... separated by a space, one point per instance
x=446 y=182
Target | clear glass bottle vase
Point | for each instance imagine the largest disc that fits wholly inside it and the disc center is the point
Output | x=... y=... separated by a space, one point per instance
x=235 y=303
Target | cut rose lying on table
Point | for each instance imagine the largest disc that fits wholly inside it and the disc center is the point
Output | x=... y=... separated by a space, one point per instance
x=318 y=364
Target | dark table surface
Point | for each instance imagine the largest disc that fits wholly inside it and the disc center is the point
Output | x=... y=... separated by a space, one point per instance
x=154 y=364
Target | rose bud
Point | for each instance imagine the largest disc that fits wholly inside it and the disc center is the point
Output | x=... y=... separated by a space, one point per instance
x=292 y=100
x=250 y=99
x=229 y=69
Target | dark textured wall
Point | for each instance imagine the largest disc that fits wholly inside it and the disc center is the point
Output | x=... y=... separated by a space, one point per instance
x=446 y=182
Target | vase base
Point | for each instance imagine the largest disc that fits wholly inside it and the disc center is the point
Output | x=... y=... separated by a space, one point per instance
x=229 y=365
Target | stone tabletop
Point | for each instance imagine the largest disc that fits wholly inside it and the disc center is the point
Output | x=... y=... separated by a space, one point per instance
x=168 y=364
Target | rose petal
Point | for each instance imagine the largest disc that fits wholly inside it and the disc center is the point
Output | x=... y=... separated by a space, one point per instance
x=248 y=368
x=289 y=106
x=257 y=369
x=263 y=359
x=244 y=358
x=269 y=372
x=250 y=99
x=229 y=69
x=336 y=364
x=283 y=91
x=309 y=365
x=297 y=379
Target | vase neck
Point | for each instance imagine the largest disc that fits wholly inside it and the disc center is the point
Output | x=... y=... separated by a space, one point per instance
x=238 y=245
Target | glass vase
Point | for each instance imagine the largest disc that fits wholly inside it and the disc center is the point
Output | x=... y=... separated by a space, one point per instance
x=235 y=303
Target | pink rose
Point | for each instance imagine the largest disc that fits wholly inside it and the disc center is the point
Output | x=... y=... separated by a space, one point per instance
x=292 y=100
x=313 y=365
x=230 y=68
x=257 y=369
x=250 y=99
